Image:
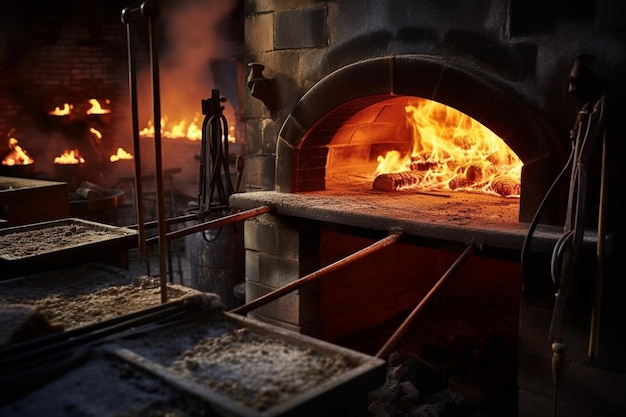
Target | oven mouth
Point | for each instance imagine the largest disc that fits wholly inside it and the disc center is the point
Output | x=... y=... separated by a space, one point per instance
x=304 y=141
x=425 y=147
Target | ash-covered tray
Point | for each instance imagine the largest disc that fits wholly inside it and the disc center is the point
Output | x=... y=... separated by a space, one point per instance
x=47 y=245
x=243 y=367
x=82 y=295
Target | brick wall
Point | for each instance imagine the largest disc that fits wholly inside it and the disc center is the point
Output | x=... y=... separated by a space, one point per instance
x=64 y=52
x=358 y=295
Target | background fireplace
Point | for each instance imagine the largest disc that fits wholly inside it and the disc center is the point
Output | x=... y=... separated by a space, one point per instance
x=506 y=64
x=67 y=53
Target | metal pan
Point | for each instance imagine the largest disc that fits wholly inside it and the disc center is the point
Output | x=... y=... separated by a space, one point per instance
x=85 y=241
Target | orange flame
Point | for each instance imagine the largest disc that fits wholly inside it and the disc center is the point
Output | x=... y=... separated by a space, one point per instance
x=96 y=108
x=453 y=152
x=181 y=129
x=16 y=155
x=69 y=157
x=96 y=133
x=121 y=154
x=175 y=130
x=232 y=138
x=67 y=109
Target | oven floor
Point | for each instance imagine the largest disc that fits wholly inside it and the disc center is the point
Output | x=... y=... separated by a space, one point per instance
x=460 y=208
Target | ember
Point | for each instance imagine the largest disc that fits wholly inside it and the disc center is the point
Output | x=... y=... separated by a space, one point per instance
x=175 y=130
x=121 y=154
x=182 y=129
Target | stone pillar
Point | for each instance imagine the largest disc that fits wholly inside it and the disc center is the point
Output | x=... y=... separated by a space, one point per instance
x=279 y=250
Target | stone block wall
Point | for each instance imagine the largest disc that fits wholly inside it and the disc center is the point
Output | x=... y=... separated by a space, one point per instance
x=278 y=251
x=531 y=49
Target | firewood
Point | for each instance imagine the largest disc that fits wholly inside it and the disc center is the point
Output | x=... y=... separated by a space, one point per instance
x=421 y=165
x=394 y=181
x=505 y=186
x=458 y=182
x=473 y=174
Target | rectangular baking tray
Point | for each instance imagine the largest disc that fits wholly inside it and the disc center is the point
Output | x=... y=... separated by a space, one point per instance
x=109 y=242
x=343 y=394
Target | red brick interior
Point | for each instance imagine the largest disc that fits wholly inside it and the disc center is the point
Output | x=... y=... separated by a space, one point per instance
x=393 y=281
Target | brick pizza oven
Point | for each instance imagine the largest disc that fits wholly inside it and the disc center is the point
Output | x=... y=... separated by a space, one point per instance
x=329 y=82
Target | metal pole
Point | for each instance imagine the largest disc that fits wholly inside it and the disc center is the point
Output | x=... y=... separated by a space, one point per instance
x=594 y=334
x=368 y=250
x=393 y=340
x=129 y=16
x=169 y=221
x=231 y=218
x=151 y=10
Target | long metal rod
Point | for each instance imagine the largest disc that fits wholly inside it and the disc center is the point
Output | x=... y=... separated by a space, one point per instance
x=594 y=334
x=211 y=224
x=368 y=250
x=128 y=16
x=169 y=221
x=92 y=333
x=72 y=334
x=393 y=340
x=151 y=10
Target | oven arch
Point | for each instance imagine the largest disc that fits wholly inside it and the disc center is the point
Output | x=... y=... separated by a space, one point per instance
x=301 y=149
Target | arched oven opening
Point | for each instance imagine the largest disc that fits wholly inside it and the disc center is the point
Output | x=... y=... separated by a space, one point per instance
x=407 y=143
x=358 y=113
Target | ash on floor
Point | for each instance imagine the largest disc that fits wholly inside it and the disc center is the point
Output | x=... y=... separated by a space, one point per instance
x=448 y=364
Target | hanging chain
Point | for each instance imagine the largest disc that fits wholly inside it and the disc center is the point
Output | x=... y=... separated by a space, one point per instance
x=214 y=185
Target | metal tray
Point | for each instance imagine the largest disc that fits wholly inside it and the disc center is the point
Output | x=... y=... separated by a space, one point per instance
x=108 y=244
x=77 y=296
x=342 y=394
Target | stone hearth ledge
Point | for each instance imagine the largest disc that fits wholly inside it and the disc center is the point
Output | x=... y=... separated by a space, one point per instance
x=458 y=218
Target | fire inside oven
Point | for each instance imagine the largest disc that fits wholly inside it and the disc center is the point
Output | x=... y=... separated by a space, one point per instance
x=422 y=145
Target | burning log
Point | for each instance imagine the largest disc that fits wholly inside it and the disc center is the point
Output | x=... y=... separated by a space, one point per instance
x=505 y=185
x=473 y=175
x=394 y=181
x=459 y=182
x=420 y=164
